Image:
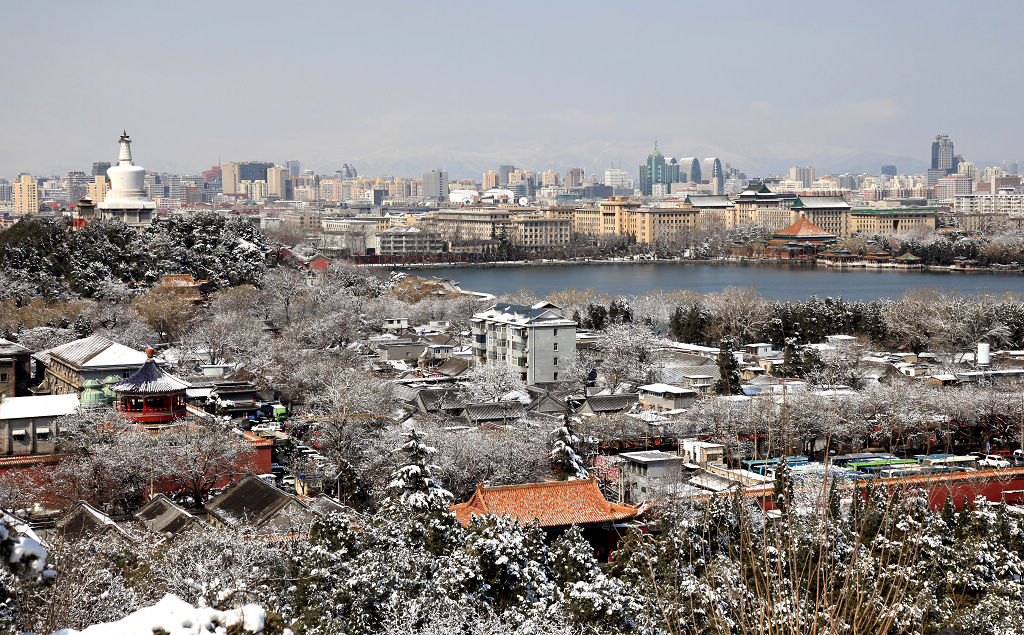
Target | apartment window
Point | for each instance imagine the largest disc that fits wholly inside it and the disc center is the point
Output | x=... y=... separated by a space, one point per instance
x=3 y=378
x=555 y=332
x=555 y=362
x=556 y=346
x=556 y=376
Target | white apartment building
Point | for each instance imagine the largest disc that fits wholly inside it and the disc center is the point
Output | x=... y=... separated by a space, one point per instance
x=537 y=340
x=1000 y=203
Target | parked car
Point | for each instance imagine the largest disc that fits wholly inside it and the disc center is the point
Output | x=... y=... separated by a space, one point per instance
x=992 y=460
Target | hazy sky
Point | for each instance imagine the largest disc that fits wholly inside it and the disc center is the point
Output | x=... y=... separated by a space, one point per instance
x=398 y=87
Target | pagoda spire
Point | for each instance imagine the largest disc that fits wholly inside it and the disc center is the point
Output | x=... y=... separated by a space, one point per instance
x=125 y=157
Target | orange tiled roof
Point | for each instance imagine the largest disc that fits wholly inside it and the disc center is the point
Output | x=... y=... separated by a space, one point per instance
x=552 y=504
x=803 y=228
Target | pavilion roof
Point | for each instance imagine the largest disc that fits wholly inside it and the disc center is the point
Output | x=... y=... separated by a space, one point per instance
x=803 y=229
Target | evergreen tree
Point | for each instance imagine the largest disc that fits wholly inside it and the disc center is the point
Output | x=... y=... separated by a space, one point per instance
x=414 y=484
x=564 y=457
x=729 y=384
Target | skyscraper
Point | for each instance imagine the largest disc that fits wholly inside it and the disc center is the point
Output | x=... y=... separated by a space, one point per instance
x=435 y=185
x=277 y=181
x=804 y=175
x=503 y=172
x=888 y=170
x=712 y=173
x=295 y=168
x=942 y=154
x=574 y=177
x=1010 y=167
x=656 y=171
x=26 y=195
x=617 y=178
x=99 y=168
x=491 y=179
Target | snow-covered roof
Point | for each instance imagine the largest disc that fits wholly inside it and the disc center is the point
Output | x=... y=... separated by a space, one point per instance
x=520 y=315
x=666 y=388
x=39 y=406
x=94 y=352
x=650 y=456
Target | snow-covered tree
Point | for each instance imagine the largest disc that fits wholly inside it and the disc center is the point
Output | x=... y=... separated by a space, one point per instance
x=492 y=382
x=564 y=456
x=414 y=485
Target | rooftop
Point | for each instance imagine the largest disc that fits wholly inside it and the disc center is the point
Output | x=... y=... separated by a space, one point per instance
x=39 y=406
x=94 y=352
x=551 y=504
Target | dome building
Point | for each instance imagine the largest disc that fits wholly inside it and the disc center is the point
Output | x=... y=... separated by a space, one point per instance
x=126 y=200
x=151 y=395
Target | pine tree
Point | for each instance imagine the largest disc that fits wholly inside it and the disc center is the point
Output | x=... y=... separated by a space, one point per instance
x=729 y=384
x=564 y=457
x=782 y=490
x=414 y=484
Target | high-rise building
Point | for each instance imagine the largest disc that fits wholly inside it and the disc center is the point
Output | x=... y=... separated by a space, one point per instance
x=277 y=181
x=712 y=173
x=503 y=172
x=229 y=181
x=98 y=188
x=574 y=177
x=6 y=191
x=805 y=176
x=435 y=185
x=99 y=168
x=617 y=178
x=491 y=180
x=952 y=185
x=689 y=170
x=942 y=154
x=888 y=170
x=295 y=168
x=26 y=195
x=549 y=178
x=1010 y=167
x=657 y=171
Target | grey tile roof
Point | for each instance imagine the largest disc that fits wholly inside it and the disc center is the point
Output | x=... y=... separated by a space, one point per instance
x=428 y=399
x=162 y=515
x=494 y=411
x=250 y=501
x=611 y=403
x=9 y=348
x=94 y=351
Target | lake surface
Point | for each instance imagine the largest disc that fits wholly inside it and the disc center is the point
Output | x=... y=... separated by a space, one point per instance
x=772 y=281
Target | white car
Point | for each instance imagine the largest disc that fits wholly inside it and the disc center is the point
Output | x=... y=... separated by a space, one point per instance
x=992 y=460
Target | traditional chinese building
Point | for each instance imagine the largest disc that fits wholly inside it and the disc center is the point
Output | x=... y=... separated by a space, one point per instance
x=555 y=506
x=802 y=238
x=151 y=395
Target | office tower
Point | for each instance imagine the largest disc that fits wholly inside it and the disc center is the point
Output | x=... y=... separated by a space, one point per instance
x=277 y=181
x=25 y=191
x=689 y=170
x=98 y=188
x=657 y=171
x=491 y=180
x=805 y=176
x=99 y=168
x=295 y=168
x=6 y=191
x=229 y=181
x=1010 y=167
x=574 y=177
x=888 y=170
x=78 y=186
x=435 y=185
x=942 y=154
x=712 y=173
x=617 y=178
x=503 y=172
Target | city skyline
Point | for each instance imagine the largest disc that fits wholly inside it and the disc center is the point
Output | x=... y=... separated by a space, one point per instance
x=205 y=89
